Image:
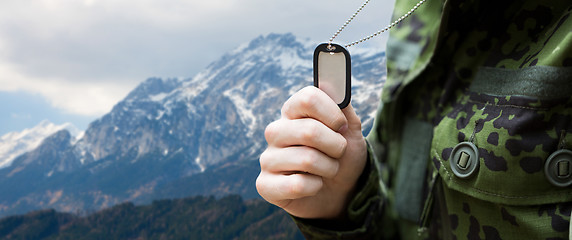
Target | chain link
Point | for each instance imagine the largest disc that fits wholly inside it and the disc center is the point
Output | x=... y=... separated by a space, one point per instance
x=348 y=21
x=378 y=32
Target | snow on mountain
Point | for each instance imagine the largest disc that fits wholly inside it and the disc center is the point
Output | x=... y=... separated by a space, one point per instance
x=14 y=144
x=220 y=114
x=201 y=119
x=168 y=130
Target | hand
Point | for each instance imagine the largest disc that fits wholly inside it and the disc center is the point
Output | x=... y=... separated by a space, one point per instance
x=315 y=155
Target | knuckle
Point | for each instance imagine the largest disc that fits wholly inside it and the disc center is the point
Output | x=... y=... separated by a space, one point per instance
x=307 y=99
x=260 y=186
x=304 y=186
x=271 y=131
x=296 y=187
x=308 y=161
x=301 y=100
x=265 y=189
x=264 y=160
x=308 y=90
x=310 y=132
x=286 y=107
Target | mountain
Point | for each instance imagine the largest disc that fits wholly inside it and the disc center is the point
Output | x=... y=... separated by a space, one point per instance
x=14 y=144
x=175 y=137
x=190 y=218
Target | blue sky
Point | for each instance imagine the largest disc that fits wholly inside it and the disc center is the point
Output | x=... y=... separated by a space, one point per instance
x=24 y=110
x=72 y=60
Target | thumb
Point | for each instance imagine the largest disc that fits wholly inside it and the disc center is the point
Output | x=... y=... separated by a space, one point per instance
x=354 y=122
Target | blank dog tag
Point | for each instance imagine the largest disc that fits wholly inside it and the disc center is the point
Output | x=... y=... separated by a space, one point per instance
x=332 y=72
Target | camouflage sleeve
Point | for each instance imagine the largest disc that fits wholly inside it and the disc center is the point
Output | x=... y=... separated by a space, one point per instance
x=365 y=218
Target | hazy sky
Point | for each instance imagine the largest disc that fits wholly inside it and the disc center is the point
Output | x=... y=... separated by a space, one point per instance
x=72 y=60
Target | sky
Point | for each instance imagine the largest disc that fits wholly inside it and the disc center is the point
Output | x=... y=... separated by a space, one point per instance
x=72 y=60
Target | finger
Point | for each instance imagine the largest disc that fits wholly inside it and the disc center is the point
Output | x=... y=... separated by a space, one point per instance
x=278 y=187
x=298 y=159
x=354 y=122
x=311 y=102
x=305 y=132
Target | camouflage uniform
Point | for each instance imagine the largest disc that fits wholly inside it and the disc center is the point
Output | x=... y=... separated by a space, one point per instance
x=496 y=75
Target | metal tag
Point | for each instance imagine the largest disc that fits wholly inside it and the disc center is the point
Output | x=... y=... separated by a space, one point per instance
x=332 y=72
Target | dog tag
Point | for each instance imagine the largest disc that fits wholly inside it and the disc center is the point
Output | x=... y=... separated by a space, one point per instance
x=332 y=72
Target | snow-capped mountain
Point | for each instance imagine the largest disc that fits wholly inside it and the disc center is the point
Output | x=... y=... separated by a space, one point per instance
x=176 y=137
x=14 y=144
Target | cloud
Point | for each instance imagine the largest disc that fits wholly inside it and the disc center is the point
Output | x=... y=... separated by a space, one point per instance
x=85 y=55
x=73 y=97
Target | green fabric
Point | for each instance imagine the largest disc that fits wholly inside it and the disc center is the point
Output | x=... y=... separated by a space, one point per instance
x=406 y=52
x=542 y=82
x=363 y=211
x=411 y=172
x=419 y=56
x=520 y=185
x=488 y=68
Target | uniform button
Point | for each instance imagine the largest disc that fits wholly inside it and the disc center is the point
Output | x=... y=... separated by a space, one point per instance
x=558 y=168
x=464 y=159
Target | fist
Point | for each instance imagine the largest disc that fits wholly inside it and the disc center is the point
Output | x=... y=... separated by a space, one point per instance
x=315 y=155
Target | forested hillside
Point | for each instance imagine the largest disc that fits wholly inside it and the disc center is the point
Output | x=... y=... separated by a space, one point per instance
x=191 y=218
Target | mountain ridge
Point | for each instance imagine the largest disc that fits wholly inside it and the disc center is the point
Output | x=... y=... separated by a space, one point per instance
x=171 y=135
x=14 y=144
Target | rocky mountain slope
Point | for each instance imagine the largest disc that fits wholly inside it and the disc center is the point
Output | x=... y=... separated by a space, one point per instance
x=14 y=144
x=179 y=137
